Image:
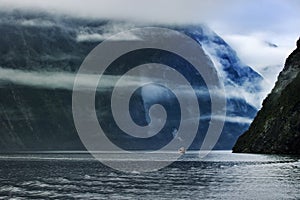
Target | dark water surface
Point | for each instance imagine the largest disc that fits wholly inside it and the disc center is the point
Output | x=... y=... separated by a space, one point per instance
x=221 y=175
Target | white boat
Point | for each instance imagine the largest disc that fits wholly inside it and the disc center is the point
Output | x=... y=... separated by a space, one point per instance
x=181 y=150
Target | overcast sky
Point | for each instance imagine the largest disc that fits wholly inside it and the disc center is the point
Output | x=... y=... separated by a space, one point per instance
x=247 y=25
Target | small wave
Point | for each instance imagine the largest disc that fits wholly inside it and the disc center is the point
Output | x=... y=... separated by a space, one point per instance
x=62 y=180
x=87 y=176
x=135 y=172
x=10 y=189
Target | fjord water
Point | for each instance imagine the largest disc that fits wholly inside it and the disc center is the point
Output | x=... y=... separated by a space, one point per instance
x=220 y=175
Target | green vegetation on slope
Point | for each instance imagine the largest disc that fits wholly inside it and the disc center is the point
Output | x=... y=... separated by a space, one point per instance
x=276 y=128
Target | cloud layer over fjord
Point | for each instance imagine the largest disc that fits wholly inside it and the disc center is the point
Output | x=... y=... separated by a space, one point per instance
x=248 y=26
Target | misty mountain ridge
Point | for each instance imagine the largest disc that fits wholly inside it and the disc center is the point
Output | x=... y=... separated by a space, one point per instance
x=276 y=128
x=40 y=54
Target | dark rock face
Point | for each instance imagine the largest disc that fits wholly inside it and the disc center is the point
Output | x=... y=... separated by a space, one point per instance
x=40 y=118
x=276 y=128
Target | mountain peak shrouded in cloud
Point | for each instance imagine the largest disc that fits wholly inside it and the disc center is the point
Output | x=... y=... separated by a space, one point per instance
x=51 y=42
x=245 y=25
x=85 y=34
x=39 y=66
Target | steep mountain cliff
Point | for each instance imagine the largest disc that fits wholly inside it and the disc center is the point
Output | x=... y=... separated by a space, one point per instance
x=276 y=128
x=40 y=54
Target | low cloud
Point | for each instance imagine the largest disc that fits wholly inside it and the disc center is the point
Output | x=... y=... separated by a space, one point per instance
x=56 y=80
x=50 y=80
x=256 y=51
x=155 y=11
x=36 y=22
x=28 y=22
x=230 y=119
x=265 y=53
x=97 y=34
x=235 y=119
x=96 y=37
x=65 y=80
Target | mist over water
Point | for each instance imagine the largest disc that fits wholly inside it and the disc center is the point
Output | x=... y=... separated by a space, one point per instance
x=221 y=175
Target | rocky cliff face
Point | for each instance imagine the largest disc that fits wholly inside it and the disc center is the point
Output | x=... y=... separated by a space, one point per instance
x=276 y=128
x=39 y=55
